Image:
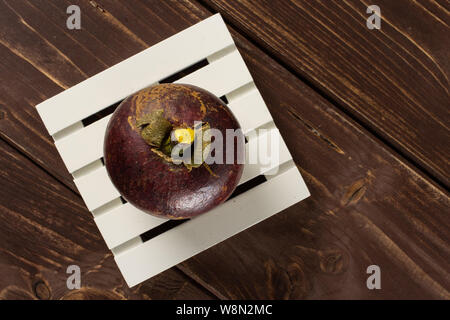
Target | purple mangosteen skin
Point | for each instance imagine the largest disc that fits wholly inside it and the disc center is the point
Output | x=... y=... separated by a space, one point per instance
x=149 y=182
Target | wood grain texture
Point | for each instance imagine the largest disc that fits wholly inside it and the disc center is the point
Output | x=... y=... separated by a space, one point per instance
x=45 y=228
x=394 y=80
x=368 y=205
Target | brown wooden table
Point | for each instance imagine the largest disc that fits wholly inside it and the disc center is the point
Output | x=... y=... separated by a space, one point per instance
x=365 y=114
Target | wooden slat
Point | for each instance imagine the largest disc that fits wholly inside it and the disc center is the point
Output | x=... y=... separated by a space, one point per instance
x=251 y=110
x=222 y=76
x=96 y=188
x=164 y=59
x=269 y=161
x=124 y=223
x=394 y=80
x=196 y=235
x=84 y=146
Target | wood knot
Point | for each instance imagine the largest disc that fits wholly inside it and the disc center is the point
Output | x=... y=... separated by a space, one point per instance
x=41 y=290
x=354 y=193
x=278 y=282
x=2 y=112
x=332 y=262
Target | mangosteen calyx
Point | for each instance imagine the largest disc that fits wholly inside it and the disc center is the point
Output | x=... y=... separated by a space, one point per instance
x=160 y=134
x=154 y=128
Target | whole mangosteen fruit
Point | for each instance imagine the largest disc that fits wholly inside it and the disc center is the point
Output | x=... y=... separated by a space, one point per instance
x=151 y=126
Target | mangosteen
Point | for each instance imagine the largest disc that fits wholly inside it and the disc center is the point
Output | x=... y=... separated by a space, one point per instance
x=157 y=146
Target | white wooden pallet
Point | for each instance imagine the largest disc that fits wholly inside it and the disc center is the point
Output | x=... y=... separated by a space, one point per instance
x=81 y=148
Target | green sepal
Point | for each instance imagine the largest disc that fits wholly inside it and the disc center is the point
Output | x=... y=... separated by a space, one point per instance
x=155 y=128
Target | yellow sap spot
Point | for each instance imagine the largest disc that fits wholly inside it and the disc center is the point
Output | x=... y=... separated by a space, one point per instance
x=132 y=124
x=184 y=135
